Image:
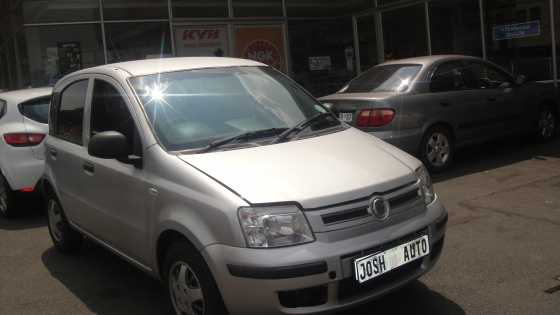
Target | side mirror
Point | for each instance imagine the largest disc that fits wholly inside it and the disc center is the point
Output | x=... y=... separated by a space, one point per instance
x=108 y=145
x=520 y=80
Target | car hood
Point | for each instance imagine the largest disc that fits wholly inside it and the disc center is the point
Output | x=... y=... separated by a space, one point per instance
x=313 y=172
x=358 y=96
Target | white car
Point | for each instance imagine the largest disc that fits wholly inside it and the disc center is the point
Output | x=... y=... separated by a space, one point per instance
x=23 y=127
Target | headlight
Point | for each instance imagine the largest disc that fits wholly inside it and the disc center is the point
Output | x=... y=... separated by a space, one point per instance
x=426 y=188
x=275 y=226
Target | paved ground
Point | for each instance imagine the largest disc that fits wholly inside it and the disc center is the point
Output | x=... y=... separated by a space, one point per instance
x=502 y=250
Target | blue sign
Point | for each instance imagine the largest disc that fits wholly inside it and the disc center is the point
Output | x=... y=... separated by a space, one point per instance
x=518 y=30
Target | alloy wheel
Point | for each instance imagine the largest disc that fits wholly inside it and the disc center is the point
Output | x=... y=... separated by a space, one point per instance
x=185 y=290
x=547 y=124
x=55 y=220
x=438 y=149
x=3 y=198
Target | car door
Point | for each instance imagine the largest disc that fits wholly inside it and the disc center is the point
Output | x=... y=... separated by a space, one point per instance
x=496 y=91
x=64 y=147
x=117 y=197
x=455 y=101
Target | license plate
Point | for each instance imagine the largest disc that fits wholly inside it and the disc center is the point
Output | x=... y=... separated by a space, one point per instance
x=345 y=117
x=369 y=267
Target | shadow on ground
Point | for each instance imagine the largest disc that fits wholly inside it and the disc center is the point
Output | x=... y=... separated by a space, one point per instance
x=415 y=298
x=496 y=154
x=29 y=216
x=105 y=283
x=108 y=285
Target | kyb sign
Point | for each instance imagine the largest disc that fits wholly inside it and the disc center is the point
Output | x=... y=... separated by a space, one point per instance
x=202 y=41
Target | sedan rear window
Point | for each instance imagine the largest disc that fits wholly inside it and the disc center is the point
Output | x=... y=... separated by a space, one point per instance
x=36 y=110
x=386 y=78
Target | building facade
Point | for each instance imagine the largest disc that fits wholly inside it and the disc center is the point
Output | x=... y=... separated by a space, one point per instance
x=320 y=43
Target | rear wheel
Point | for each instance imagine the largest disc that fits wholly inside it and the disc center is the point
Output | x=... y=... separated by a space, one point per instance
x=547 y=125
x=190 y=285
x=66 y=239
x=7 y=199
x=437 y=149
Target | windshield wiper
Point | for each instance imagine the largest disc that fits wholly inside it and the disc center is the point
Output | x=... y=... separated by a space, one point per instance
x=246 y=135
x=302 y=126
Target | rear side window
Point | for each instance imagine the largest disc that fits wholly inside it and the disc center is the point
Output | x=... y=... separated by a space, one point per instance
x=36 y=110
x=2 y=108
x=70 y=120
x=449 y=76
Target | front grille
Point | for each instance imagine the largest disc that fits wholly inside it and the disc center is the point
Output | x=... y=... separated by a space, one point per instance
x=385 y=246
x=397 y=204
x=349 y=287
x=304 y=297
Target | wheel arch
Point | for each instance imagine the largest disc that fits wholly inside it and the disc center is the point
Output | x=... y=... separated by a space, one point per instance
x=165 y=239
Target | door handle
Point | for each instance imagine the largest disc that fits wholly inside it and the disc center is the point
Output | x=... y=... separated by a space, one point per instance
x=88 y=167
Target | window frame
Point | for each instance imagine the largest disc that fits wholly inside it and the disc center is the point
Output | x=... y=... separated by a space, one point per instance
x=54 y=111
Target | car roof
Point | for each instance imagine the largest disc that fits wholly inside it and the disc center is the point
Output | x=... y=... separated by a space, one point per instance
x=154 y=66
x=19 y=96
x=428 y=60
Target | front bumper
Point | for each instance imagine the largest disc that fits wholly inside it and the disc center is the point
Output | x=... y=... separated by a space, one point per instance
x=318 y=277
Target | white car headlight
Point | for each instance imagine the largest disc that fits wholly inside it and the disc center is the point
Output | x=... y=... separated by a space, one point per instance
x=274 y=226
x=426 y=187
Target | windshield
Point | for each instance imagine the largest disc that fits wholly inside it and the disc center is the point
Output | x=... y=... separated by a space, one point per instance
x=386 y=78
x=191 y=109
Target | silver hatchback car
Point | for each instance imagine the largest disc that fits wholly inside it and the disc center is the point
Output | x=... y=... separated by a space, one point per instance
x=235 y=187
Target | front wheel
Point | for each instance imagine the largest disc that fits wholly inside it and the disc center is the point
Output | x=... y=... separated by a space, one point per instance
x=191 y=287
x=66 y=239
x=437 y=149
x=547 y=125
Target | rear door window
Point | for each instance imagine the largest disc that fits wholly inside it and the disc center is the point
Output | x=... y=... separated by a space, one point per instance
x=2 y=108
x=36 y=110
x=70 y=120
x=449 y=76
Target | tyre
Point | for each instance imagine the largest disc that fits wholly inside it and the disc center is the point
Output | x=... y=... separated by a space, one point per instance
x=190 y=285
x=7 y=199
x=547 y=124
x=437 y=149
x=65 y=239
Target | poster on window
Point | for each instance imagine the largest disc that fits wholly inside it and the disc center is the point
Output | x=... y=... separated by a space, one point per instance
x=69 y=57
x=203 y=41
x=261 y=43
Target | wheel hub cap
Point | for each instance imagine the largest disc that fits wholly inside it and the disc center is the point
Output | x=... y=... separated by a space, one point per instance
x=55 y=220
x=185 y=290
x=547 y=124
x=3 y=198
x=438 y=149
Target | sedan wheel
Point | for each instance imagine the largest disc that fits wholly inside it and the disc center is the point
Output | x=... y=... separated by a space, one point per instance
x=437 y=149
x=6 y=199
x=56 y=223
x=184 y=288
x=66 y=239
x=547 y=124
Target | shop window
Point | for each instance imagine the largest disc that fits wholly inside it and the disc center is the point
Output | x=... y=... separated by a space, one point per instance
x=200 y=9
x=134 y=41
x=455 y=27
x=54 y=51
x=253 y=8
x=368 y=42
x=520 y=41
x=47 y=11
x=403 y=42
x=138 y=9
x=322 y=54
x=339 y=8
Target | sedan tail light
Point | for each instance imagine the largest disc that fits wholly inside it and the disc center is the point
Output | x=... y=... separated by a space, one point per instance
x=375 y=117
x=24 y=139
